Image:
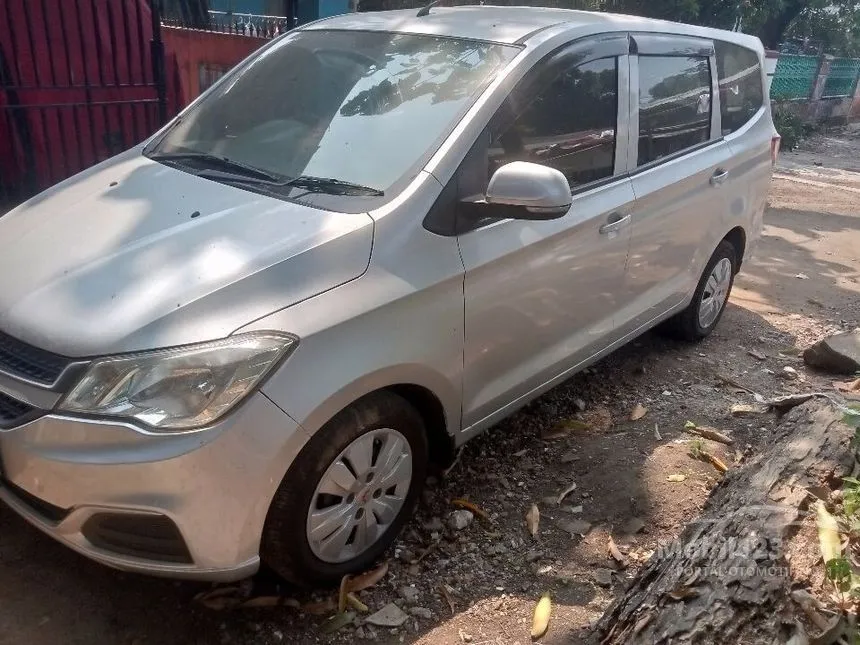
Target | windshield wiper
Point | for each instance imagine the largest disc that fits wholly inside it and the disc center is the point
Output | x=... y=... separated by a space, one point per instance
x=310 y=184
x=333 y=186
x=222 y=167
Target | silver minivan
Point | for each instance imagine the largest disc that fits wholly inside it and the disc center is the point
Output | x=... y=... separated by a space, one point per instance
x=250 y=336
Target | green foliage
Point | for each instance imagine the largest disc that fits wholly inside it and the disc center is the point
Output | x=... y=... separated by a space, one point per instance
x=838 y=571
x=677 y=10
x=791 y=128
x=851 y=497
x=851 y=418
x=833 y=26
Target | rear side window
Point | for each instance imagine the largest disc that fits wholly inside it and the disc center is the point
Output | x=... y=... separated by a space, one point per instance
x=569 y=125
x=674 y=105
x=741 y=93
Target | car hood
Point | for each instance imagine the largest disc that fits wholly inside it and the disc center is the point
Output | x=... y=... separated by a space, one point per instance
x=133 y=255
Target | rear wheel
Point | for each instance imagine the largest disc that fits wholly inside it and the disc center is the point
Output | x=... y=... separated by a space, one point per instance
x=348 y=493
x=709 y=300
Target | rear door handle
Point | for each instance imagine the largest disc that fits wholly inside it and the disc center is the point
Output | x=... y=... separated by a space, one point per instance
x=719 y=177
x=616 y=222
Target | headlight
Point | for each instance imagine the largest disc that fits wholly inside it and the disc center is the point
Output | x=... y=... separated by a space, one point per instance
x=178 y=389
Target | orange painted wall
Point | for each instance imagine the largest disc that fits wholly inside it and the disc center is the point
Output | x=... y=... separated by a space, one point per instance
x=186 y=50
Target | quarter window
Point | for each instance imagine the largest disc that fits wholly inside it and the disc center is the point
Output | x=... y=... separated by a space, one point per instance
x=674 y=105
x=741 y=95
x=569 y=125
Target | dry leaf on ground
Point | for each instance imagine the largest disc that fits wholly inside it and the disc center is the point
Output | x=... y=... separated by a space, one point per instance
x=638 y=412
x=341 y=596
x=540 y=620
x=337 y=622
x=533 y=520
x=446 y=594
x=353 y=601
x=271 y=601
x=598 y=418
x=567 y=491
x=615 y=553
x=564 y=428
x=477 y=510
x=847 y=386
x=743 y=410
x=368 y=578
x=220 y=598
x=320 y=608
x=828 y=534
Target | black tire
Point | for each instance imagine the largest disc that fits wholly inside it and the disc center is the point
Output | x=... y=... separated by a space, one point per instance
x=285 y=548
x=686 y=324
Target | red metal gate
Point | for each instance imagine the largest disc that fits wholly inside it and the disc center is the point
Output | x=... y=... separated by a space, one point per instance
x=80 y=80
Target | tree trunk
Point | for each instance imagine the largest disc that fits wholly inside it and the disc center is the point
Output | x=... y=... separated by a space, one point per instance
x=726 y=579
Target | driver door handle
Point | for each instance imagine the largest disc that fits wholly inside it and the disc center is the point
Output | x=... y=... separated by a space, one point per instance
x=616 y=222
x=719 y=177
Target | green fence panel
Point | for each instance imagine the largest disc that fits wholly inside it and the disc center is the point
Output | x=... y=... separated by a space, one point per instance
x=794 y=77
x=842 y=79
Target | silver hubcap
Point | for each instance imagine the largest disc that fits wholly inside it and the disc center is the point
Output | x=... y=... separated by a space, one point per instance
x=360 y=495
x=716 y=293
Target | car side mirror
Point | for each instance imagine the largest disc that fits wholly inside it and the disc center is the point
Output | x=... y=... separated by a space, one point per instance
x=529 y=191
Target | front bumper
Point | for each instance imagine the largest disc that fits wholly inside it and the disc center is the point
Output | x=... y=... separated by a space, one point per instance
x=201 y=497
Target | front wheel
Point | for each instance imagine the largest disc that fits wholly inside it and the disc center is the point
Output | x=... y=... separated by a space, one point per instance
x=709 y=300
x=348 y=493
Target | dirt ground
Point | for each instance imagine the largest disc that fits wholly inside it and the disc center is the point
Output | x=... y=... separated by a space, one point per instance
x=803 y=283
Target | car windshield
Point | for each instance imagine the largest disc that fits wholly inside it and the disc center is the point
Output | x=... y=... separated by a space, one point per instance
x=336 y=112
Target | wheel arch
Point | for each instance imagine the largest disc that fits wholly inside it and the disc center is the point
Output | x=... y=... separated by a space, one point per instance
x=430 y=393
x=737 y=237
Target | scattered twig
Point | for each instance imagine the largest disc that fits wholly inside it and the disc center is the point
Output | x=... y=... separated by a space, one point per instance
x=728 y=380
x=432 y=547
x=707 y=432
x=448 y=470
x=697 y=451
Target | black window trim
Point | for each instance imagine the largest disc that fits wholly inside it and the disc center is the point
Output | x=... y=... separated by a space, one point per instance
x=675 y=155
x=660 y=44
x=667 y=45
x=762 y=80
x=592 y=47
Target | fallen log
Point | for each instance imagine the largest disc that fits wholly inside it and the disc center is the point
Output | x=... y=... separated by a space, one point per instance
x=726 y=578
